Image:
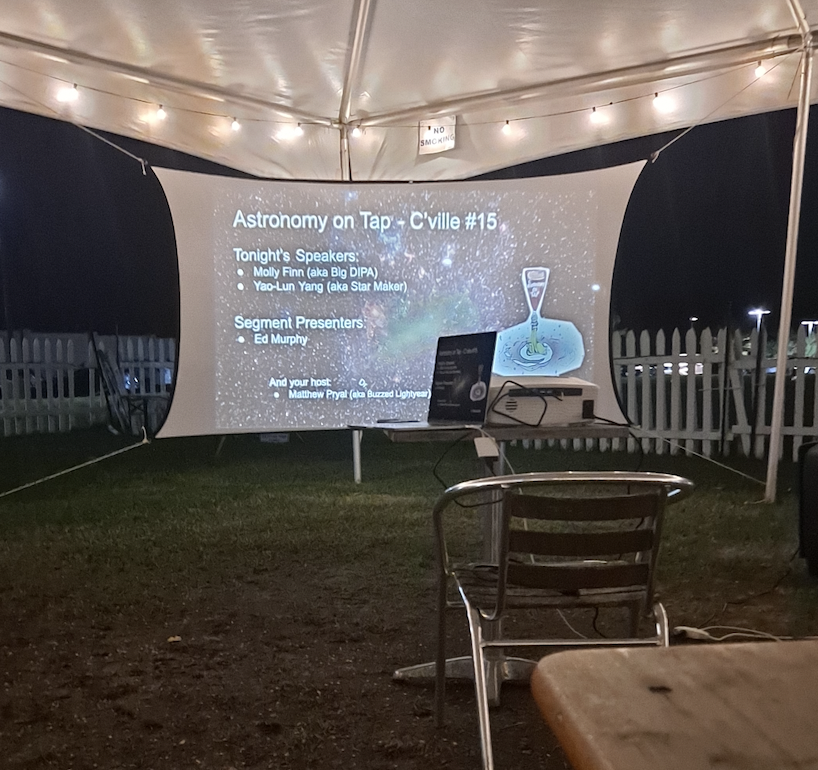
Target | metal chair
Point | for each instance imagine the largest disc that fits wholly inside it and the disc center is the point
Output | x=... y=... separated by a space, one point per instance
x=556 y=541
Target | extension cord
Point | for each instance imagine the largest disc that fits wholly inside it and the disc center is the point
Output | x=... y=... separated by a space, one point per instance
x=692 y=633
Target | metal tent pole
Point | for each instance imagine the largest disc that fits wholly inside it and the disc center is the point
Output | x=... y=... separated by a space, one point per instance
x=796 y=185
x=361 y=17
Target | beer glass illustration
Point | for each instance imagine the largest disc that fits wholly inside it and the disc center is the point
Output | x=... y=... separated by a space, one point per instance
x=543 y=346
x=535 y=281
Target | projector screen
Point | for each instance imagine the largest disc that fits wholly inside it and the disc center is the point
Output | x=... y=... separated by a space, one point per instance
x=316 y=305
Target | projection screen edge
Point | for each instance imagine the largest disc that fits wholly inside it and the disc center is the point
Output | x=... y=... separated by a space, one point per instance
x=308 y=306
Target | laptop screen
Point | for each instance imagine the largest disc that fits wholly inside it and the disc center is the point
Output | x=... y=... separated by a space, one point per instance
x=460 y=382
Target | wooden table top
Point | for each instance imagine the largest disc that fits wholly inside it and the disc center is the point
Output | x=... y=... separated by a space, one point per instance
x=745 y=706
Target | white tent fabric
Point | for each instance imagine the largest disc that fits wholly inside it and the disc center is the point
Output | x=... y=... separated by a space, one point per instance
x=385 y=66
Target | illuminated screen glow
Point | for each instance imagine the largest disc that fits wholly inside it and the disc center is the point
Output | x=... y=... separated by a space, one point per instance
x=316 y=306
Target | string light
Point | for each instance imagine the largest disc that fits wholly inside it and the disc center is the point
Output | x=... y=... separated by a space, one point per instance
x=290 y=131
x=68 y=94
x=663 y=103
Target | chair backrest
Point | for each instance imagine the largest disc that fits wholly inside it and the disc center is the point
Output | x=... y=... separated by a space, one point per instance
x=113 y=387
x=576 y=533
x=620 y=530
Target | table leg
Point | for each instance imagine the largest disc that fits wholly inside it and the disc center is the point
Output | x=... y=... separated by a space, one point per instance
x=357 y=435
x=499 y=668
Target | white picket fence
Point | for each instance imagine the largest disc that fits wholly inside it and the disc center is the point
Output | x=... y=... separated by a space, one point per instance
x=709 y=393
x=51 y=383
x=712 y=393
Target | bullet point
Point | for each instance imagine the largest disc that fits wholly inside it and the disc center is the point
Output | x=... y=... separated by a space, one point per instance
x=240 y=271
x=240 y=339
x=241 y=287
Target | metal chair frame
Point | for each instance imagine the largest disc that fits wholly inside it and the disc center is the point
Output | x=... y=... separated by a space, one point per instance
x=559 y=573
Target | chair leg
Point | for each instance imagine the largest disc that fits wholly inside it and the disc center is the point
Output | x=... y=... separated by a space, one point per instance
x=662 y=627
x=491 y=630
x=475 y=632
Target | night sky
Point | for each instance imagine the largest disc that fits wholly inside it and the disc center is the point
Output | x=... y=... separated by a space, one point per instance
x=705 y=231
x=86 y=241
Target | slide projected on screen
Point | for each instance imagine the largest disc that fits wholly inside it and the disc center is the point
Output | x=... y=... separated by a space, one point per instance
x=316 y=306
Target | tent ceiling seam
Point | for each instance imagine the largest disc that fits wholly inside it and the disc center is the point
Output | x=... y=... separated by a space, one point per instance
x=619 y=78
x=184 y=85
x=665 y=69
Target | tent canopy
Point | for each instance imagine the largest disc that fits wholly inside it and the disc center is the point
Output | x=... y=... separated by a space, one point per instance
x=386 y=66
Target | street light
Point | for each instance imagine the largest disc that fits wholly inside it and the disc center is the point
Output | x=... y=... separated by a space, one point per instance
x=759 y=313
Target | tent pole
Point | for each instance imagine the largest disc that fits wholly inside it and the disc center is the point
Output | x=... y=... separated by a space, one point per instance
x=357 y=49
x=361 y=17
x=346 y=176
x=796 y=185
x=345 y=160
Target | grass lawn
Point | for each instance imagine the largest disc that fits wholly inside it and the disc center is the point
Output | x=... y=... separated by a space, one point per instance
x=291 y=593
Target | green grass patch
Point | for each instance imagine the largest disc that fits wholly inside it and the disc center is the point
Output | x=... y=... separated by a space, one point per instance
x=162 y=520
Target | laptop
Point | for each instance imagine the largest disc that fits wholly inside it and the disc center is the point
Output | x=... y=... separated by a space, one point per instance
x=460 y=384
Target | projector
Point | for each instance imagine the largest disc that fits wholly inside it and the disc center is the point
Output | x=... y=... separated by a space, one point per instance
x=539 y=401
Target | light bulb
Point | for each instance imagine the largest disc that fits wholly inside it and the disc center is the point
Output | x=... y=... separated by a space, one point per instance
x=160 y=113
x=289 y=131
x=68 y=94
x=235 y=125
x=506 y=128
x=356 y=132
x=663 y=103
x=598 y=117
x=760 y=70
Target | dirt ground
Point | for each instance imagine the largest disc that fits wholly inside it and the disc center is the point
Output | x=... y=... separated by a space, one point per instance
x=186 y=649
x=286 y=668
